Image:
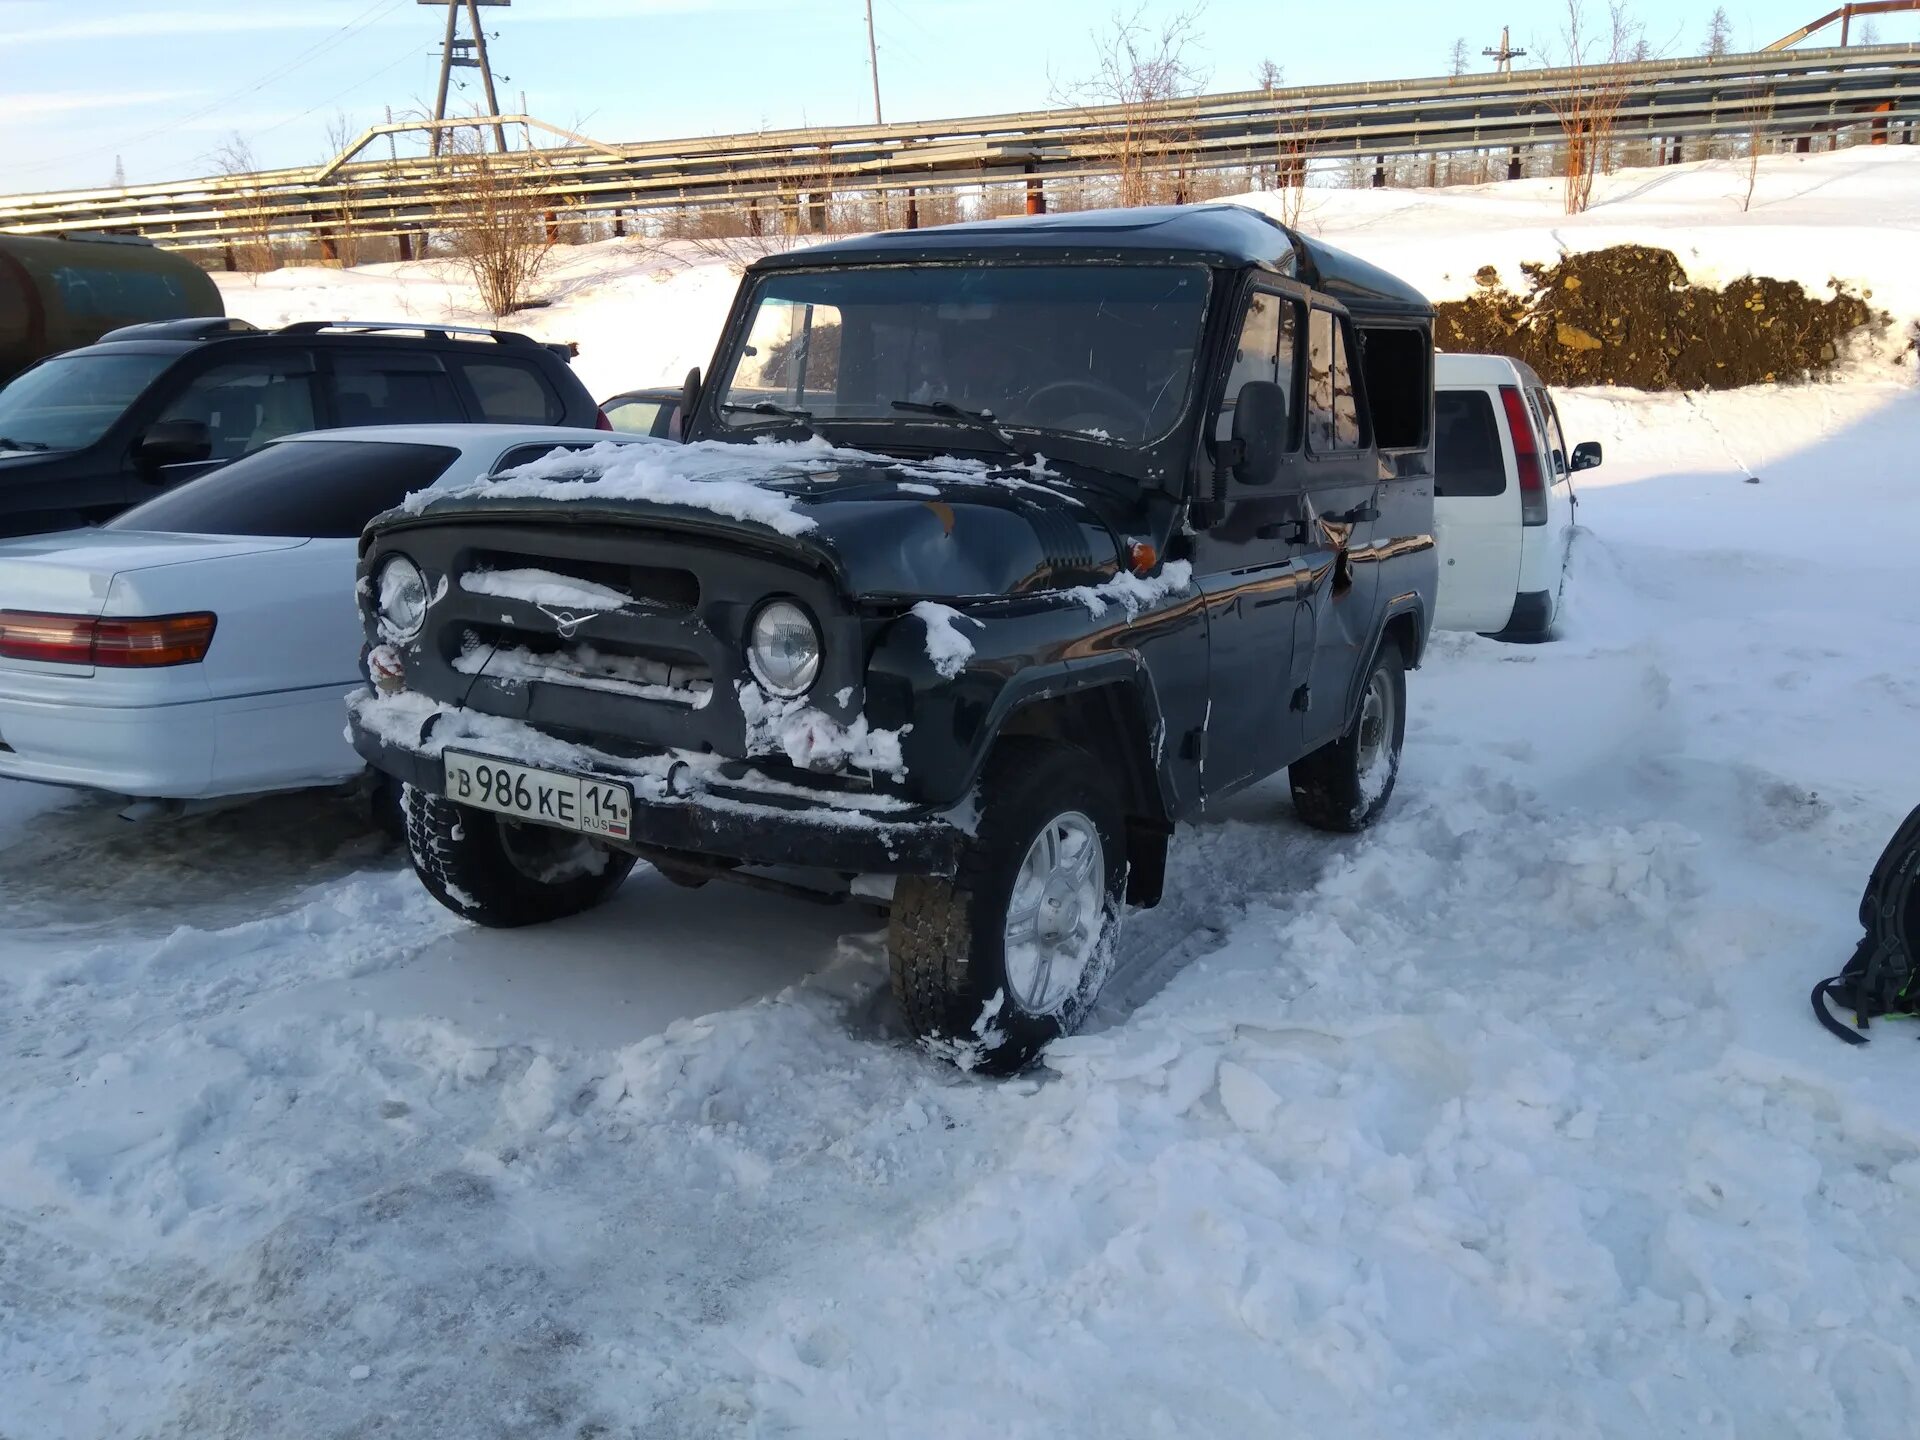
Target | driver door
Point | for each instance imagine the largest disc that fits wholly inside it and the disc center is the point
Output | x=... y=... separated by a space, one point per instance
x=1246 y=568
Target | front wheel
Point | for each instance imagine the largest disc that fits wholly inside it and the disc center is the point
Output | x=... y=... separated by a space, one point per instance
x=502 y=873
x=1345 y=784
x=991 y=965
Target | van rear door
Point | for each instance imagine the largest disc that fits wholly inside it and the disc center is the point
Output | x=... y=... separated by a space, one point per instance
x=1476 y=512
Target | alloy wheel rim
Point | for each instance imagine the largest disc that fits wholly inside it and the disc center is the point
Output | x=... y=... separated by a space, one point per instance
x=1055 y=913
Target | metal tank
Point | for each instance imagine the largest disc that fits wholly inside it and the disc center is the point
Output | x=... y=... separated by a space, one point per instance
x=59 y=292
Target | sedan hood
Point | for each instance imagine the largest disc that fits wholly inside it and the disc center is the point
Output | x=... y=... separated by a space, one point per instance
x=69 y=573
x=889 y=528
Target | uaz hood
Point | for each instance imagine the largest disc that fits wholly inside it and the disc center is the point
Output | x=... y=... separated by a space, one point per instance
x=887 y=528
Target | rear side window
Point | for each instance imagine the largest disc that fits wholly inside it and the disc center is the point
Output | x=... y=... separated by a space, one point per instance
x=325 y=489
x=1333 y=410
x=513 y=394
x=393 y=387
x=636 y=417
x=1467 y=460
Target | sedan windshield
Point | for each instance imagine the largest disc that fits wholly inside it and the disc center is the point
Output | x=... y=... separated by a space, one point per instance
x=68 y=402
x=1105 y=352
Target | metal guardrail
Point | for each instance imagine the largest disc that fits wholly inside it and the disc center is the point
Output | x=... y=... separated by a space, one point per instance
x=1770 y=95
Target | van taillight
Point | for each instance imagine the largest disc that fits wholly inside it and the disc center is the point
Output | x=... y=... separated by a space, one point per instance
x=119 y=644
x=1526 y=454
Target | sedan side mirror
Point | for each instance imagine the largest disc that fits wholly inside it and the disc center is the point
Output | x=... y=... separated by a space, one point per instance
x=1259 y=432
x=1586 y=455
x=175 y=442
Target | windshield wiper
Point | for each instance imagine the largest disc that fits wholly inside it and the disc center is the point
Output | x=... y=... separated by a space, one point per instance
x=980 y=420
x=35 y=445
x=767 y=407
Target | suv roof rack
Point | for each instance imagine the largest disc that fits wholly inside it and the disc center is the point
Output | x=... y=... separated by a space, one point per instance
x=430 y=330
x=203 y=327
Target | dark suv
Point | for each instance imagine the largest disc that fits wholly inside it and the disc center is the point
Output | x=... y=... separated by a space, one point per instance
x=1022 y=542
x=86 y=434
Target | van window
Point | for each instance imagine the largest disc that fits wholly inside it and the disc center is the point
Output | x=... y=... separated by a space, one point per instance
x=1549 y=416
x=512 y=394
x=321 y=489
x=1333 y=410
x=1396 y=362
x=1264 y=351
x=1467 y=459
x=246 y=403
x=393 y=387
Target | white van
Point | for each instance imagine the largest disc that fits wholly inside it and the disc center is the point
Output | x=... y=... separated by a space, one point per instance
x=1503 y=497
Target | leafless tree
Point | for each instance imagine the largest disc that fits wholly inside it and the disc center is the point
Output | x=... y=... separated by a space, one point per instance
x=1719 y=34
x=248 y=209
x=495 y=220
x=1138 y=68
x=1591 y=50
x=1457 y=62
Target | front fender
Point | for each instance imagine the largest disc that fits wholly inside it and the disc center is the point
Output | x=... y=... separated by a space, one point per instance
x=1022 y=655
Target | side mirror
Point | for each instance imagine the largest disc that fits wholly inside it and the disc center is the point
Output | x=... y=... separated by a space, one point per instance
x=174 y=442
x=1586 y=455
x=1259 y=432
x=689 y=397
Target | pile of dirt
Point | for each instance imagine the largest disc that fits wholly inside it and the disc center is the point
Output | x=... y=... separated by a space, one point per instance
x=1629 y=316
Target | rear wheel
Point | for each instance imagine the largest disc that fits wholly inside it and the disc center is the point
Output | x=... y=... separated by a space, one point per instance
x=991 y=965
x=502 y=873
x=1346 y=783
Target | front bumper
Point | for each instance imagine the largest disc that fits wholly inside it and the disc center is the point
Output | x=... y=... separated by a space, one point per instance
x=681 y=802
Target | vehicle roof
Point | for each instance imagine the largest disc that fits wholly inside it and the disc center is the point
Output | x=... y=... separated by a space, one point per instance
x=1215 y=234
x=1456 y=369
x=467 y=437
x=647 y=392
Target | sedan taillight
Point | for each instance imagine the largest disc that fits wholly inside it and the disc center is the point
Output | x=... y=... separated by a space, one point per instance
x=121 y=644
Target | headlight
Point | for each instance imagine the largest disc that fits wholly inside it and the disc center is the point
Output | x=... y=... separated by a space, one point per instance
x=402 y=604
x=783 y=648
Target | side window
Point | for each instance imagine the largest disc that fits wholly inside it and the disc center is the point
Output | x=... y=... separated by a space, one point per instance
x=1264 y=351
x=246 y=403
x=636 y=417
x=1549 y=417
x=1333 y=410
x=393 y=387
x=1467 y=460
x=512 y=394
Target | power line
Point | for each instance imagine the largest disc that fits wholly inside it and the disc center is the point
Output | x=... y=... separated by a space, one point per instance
x=377 y=12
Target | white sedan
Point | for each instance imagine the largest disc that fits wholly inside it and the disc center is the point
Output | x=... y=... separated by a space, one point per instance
x=200 y=645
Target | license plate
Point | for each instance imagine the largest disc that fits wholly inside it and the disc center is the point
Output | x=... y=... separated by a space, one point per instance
x=551 y=797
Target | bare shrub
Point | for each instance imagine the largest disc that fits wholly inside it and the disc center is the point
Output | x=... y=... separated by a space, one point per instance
x=247 y=208
x=1592 y=51
x=494 y=220
x=1138 y=69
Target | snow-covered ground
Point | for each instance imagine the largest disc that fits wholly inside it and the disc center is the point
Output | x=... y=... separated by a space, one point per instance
x=1507 y=1118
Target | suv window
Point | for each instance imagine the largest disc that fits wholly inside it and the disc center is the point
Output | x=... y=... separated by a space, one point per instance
x=1333 y=410
x=323 y=489
x=1264 y=351
x=1467 y=459
x=512 y=394
x=393 y=387
x=246 y=403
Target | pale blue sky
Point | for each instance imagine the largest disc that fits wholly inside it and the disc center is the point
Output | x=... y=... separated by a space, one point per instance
x=161 y=83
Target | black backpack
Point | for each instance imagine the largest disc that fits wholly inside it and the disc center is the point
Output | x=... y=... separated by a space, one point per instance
x=1883 y=977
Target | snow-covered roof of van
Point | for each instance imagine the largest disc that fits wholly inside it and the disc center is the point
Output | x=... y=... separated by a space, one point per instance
x=1210 y=234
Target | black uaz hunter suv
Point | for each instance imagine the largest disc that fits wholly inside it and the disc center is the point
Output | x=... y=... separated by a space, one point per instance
x=998 y=550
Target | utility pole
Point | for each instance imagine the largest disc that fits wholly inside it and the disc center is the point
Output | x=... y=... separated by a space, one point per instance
x=453 y=48
x=1505 y=55
x=873 y=63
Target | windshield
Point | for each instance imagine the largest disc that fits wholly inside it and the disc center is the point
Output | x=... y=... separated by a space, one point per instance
x=68 y=402
x=1102 y=351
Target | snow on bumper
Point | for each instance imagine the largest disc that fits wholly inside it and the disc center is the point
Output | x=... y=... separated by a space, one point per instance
x=681 y=800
